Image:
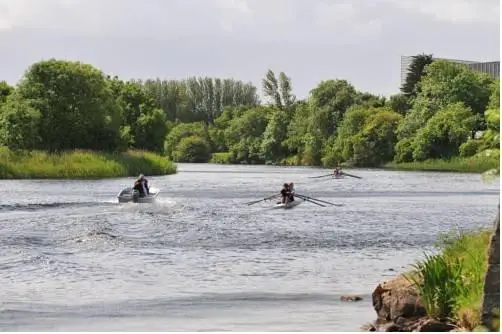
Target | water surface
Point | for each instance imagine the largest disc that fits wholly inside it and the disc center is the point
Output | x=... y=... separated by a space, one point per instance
x=73 y=259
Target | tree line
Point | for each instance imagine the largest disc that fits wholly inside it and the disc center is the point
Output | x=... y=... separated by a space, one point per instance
x=439 y=114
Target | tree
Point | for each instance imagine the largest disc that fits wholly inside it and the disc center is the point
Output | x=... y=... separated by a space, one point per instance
x=398 y=103
x=245 y=133
x=76 y=105
x=415 y=73
x=19 y=124
x=280 y=91
x=331 y=98
x=444 y=133
x=151 y=131
x=180 y=131
x=374 y=145
x=192 y=149
x=5 y=91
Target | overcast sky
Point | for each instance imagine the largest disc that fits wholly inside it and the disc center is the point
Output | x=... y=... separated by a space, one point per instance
x=311 y=40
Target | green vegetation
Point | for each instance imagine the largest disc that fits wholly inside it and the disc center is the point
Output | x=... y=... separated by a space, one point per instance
x=445 y=118
x=450 y=283
x=80 y=164
x=479 y=163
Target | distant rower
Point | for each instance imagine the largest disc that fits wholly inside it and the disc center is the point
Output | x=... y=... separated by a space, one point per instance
x=337 y=171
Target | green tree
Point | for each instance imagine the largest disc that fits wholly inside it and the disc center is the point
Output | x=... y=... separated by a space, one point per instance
x=183 y=130
x=415 y=72
x=151 y=131
x=273 y=146
x=374 y=145
x=76 y=104
x=5 y=91
x=192 y=149
x=245 y=133
x=398 y=103
x=279 y=91
x=19 y=124
x=444 y=133
x=447 y=83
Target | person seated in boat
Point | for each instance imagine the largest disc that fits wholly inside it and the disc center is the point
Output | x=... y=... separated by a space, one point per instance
x=291 y=196
x=284 y=193
x=337 y=171
x=141 y=185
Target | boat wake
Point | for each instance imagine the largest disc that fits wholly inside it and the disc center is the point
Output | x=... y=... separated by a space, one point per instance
x=30 y=207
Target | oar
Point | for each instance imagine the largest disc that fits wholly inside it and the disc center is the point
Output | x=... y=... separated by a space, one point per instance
x=357 y=177
x=315 y=199
x=316 y=177
x=308 y=200
x=260 y=200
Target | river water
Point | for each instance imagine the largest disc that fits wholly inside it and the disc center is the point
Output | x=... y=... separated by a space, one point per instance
x=73 y=259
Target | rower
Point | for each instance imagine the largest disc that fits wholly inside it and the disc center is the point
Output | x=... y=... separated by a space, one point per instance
x=291 y=196
x=337 y=171
x=284 y=192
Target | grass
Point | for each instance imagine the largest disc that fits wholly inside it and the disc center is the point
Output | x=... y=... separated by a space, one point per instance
x=224 y=158
x=451 y=282
x=476 y=164
x=80 y=164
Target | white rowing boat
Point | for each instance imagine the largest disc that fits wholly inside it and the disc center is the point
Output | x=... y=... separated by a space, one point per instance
x=289 y=205
x=128 y=195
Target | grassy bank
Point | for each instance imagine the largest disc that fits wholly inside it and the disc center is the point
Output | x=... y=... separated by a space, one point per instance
x=479 y=163
x=451 y=282
x=81 y=164
x=476 y=164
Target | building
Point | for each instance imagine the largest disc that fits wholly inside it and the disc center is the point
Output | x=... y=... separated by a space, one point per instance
x=492 y=67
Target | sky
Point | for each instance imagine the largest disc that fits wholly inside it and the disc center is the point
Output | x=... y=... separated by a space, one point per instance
x=361 y=41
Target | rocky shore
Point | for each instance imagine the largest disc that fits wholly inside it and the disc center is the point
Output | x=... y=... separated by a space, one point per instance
x=399 y=309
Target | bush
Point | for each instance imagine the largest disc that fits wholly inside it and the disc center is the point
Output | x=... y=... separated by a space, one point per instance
x=451 y=283
x=470 y=147
x=222 y=158
x=192 y=149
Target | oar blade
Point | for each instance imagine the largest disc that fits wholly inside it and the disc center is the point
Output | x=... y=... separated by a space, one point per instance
x=351 y=175
x=316 y=177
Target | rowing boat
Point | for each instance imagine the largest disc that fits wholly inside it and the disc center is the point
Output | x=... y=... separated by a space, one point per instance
x=289 y=205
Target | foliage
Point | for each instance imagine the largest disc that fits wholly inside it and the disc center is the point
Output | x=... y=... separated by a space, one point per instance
x=80 y=164
x=180 y=131
x=478 y=163
x=415 y=73
x=450 y=283
x=445 y=110
x=192 y=149
x=76 y=105
x=19 y=124
x=443 y=133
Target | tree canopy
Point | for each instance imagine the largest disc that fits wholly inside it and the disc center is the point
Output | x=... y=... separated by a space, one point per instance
x=444 y=110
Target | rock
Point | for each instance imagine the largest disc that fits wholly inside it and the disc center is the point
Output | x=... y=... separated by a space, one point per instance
x=432 y=325
x=397 y=298
x=351 y=298
x=369 y=327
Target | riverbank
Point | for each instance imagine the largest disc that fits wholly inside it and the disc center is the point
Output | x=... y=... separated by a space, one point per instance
x=447 y=285
x=80 y=164
x=476 y=164
x=479 y=163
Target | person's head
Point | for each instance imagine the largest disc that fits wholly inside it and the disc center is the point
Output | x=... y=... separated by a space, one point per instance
x=291 y=184
x=141 y=177
x=285 y=185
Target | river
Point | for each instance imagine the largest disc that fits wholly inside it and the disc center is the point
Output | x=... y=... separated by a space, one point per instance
x=73 y=259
